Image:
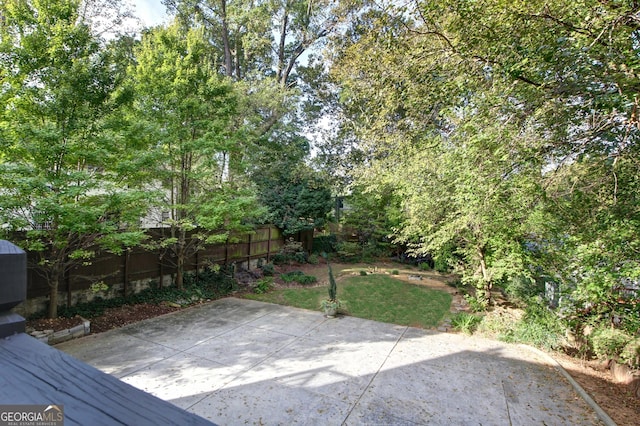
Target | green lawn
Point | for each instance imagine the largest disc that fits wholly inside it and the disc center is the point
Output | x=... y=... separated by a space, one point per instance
x=376 y=297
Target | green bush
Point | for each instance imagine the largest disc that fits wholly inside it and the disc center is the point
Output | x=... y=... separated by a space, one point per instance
x=520 y=289
x=348 y=251
x=211 y=283
x=292 y=251
x=424 y=266
x=307 y=279
x=299 y=277
x=608 y=343
x=291 y=276
x=395 y=272
x=313 y=259
x=325 y=243
x=442 y=258
x=465 y=322
x=630 y=355
x=268 y=269
x=263 y=285
x=280 y=259
x=363 y=272
x=539 y=327
x=476 y=305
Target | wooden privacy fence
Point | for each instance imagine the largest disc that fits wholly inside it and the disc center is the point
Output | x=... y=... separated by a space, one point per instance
x=140 y=264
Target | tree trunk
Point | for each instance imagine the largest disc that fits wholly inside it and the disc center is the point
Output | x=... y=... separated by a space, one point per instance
x=180 y=252
x=228 y=61
x=487 y=283
x=53 y=295
x=282 y=43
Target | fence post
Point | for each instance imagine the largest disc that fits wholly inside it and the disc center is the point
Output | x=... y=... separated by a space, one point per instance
x=269 y=245
x=249 y=253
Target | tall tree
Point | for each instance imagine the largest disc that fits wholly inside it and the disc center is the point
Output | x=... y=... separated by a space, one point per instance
x=57 y=181
x=513 y=114
x=189 y=112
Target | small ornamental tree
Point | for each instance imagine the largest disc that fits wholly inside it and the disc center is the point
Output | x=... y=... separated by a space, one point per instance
x=58 y=185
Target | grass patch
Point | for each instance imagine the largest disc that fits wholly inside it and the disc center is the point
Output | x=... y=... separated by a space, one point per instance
x=375 y=297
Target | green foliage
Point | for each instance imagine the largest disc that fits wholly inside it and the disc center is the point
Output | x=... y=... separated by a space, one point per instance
x=539 y=327
x=98 y=287
x=325 y=243
x=476 y=304
x=268 y=270
x=206 y=285
x=425 y=266
x=313 y=259
x=348 y=251
x=395 y=272
x=299 y=277
x=630 y=355
x=520 y=289
x=263 y=285
x=466 y=116
x=363 y=272
x=291 y=252
x=333 y=288
x=444 y=258
x=465 y=322
x=61 y=169
x=608 y=342
x=371 y=215
x=188 y=112
x=297 y=198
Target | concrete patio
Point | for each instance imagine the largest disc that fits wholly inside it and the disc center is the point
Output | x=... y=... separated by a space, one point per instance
x=237 y=361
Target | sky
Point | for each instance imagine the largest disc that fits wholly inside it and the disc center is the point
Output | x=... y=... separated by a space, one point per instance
x=151 y=12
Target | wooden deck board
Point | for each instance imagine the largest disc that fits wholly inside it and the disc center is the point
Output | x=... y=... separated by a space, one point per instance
x=34 y=373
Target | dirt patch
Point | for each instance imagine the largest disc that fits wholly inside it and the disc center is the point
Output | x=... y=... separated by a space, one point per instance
x=616 y=400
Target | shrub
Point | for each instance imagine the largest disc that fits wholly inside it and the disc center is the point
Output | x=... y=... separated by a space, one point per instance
x=210 y=283
x=299 y=277
x=325 y=243
x=630 y=355
x=465 y=322
x=291 y=276
x=291 y=252
x=363 y=273
x=263 y=285
x=608 y=343
x=307 y=279
x=348 y=251
x=476 y=304
x=395 y=272
x=520 y=289
x=268 y=269
x=424 y=266
x=539 y=327
x=300 y=257
x=313 y=259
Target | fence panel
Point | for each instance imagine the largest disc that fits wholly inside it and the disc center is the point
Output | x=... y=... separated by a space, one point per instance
x=144 y=264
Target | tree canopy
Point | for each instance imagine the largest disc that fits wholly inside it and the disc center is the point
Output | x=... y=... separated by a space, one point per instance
x=498 y=136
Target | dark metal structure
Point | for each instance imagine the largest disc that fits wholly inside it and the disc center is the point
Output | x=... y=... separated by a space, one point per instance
x=13 y=287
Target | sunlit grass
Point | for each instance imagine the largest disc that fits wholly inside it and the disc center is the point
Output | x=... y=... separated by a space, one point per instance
x=374 y=296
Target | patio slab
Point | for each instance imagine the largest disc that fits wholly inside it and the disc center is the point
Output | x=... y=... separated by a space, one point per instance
x=236 y=361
